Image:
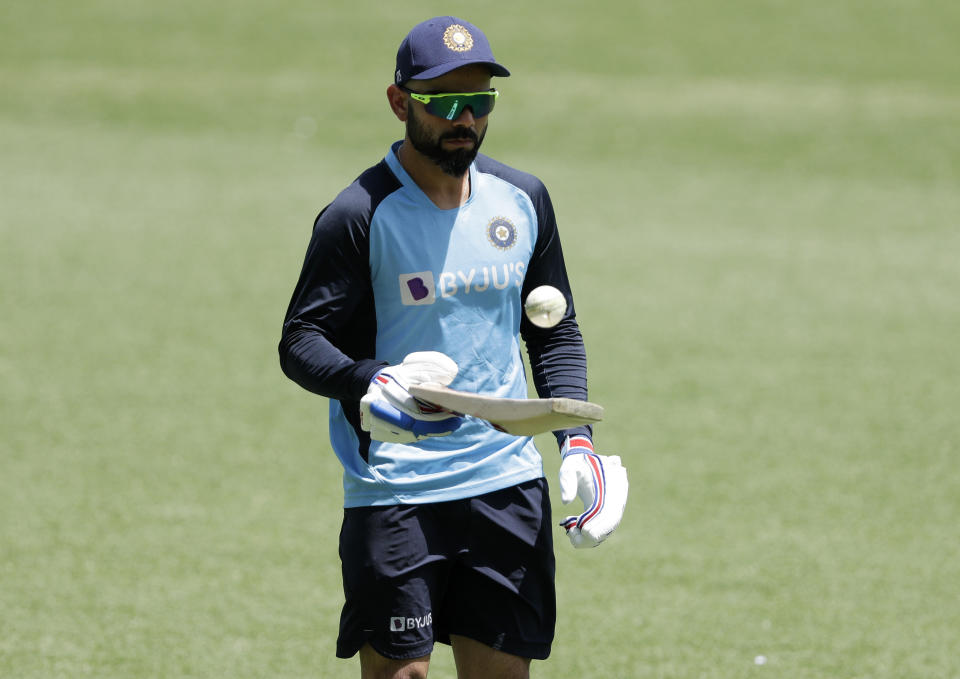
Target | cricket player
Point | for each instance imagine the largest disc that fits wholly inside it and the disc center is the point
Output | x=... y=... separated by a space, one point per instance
x=416 y=273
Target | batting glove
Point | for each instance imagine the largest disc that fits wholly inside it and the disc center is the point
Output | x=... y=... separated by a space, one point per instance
x=390 y=413
x=600 y=481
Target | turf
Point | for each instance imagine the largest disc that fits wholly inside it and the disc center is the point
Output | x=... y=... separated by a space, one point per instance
x=760 y=205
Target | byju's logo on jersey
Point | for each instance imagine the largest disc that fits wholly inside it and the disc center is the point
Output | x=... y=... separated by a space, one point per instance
x=502 y=233
x=422 y=288
x=417 y=288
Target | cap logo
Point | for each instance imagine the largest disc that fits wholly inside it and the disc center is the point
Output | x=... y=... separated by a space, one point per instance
x=458 y=38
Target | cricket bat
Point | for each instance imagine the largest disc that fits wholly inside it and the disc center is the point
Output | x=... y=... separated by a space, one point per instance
x=517 y=416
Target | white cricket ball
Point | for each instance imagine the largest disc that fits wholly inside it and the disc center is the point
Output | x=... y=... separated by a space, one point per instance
x=545 y=306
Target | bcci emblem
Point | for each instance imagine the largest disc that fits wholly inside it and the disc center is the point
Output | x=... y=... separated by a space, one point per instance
x=502 y=233
x=458 y=38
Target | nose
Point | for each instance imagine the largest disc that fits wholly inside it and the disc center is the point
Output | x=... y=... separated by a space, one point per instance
x=465 y=119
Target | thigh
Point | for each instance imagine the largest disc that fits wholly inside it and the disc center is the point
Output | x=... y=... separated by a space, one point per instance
x=395 y=566
x=478 y=661
x=502 y=591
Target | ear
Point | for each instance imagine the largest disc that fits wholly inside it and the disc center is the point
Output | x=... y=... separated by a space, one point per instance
x=398 y=102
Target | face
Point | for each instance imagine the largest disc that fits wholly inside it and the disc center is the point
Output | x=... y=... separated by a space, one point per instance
x=451 y=144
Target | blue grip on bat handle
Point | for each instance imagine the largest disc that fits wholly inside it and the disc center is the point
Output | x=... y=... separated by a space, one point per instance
x=398 y=418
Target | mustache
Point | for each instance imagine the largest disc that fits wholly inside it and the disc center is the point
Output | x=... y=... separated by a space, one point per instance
x=464 y=133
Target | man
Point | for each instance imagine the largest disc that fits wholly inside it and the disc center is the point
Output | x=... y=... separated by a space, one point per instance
x=416 y=273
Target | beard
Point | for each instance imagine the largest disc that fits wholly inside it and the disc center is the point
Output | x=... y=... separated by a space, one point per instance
x=454 y=163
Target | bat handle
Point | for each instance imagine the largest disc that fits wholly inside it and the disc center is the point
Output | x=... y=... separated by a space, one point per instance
x=405 y=421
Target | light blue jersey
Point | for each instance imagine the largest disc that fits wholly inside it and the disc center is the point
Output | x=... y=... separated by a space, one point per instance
x=387 y=274
x=448 y=281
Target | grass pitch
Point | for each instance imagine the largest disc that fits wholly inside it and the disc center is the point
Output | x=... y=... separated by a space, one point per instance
x=760 y=206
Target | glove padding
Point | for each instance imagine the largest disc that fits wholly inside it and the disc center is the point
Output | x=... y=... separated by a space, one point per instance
x=601 y=483
x=390 y=413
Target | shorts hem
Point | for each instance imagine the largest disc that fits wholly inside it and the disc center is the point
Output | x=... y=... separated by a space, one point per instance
x=346 y=652
x=531 y=651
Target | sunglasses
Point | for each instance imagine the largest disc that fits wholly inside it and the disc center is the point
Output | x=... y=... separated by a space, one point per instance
x=450 y=105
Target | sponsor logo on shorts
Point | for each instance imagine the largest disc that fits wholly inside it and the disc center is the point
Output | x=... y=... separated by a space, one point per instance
x=422 y=288
x=404 y=623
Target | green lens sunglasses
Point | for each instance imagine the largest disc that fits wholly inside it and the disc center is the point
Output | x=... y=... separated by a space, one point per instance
x=450 y=105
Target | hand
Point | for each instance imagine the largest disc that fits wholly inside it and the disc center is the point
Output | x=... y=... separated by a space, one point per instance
x=601 y=483
x=390 y=413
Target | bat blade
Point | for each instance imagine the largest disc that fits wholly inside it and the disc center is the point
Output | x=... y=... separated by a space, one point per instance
x=517 y=416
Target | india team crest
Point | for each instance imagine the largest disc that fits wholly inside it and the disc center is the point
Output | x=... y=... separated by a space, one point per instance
x=502 y=233
x=458 y=38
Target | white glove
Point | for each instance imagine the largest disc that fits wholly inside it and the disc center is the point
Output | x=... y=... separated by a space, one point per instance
x=601 y=483
x=390 y=413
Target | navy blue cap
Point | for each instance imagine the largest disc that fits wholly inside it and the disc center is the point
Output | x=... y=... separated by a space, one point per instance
x=441 y=44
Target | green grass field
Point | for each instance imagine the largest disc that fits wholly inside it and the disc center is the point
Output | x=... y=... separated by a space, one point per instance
x=760 y=204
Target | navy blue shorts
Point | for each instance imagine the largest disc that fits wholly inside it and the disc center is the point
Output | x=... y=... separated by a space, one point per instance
x=481 y=567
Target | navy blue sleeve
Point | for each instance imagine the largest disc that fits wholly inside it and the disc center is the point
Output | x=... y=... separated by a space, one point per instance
x=558 y=360
x=329 y=334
